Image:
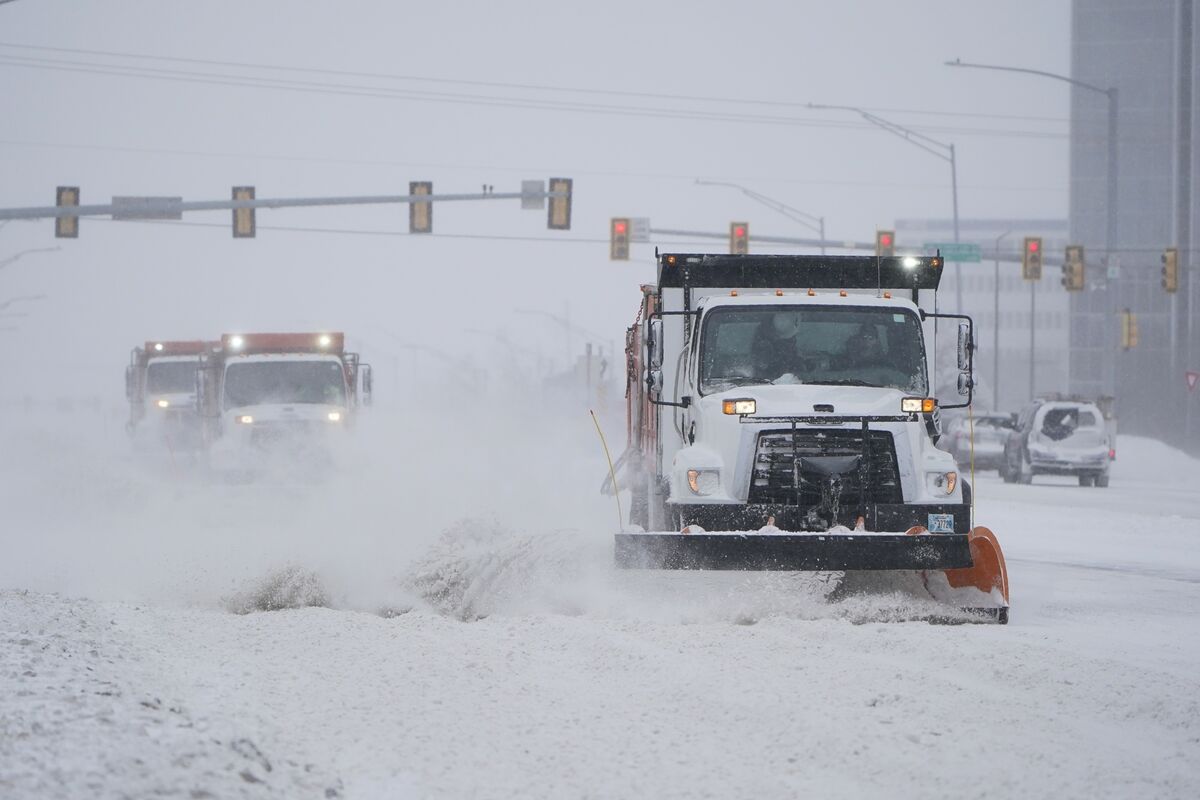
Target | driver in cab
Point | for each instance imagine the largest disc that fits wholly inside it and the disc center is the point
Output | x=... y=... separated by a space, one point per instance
x=776 y=354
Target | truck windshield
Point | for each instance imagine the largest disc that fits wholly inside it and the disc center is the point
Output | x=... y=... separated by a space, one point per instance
x=812 y=344
x=259 y=382
x=171 y=377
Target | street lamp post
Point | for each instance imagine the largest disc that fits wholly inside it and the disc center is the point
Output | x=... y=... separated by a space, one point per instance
x=1111 y=233
x=569 y=326
x=25 y=297
x=793 y=214
x=996 y=326
x=18 y=256
x=927 y=144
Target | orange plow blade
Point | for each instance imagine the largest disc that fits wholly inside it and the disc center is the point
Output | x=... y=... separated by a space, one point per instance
x=987 y=572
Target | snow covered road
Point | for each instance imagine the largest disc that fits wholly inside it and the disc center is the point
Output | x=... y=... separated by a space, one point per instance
x=523 y=667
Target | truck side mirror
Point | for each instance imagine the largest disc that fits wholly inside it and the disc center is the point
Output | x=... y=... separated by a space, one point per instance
x=367 y=383
x=655 y=382
x=965 y=383
x=130 y=389
x=656 y=343
x=964 y=345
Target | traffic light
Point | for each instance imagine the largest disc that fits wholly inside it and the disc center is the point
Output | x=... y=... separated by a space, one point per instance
x=244 y=223
x=1072 y=277
x=66 y=227
x=618 y=239
x=1170 y=270
x=1031 y=259
x=885 y=244
x=559 y=215
x=1129 y=330
x=739 y=238
x=420 y=212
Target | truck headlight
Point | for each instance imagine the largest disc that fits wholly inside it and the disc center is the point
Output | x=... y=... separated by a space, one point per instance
x=245 y=419
x=918 y=405
x=741 y=407
x=163 y=403
x=704 y=481
x=335 y=416
x=942 y=483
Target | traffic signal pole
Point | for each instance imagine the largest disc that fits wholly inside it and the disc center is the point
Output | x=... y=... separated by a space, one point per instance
x=996 y=325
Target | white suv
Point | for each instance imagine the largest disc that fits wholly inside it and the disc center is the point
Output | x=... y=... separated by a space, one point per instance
x=1058 y=437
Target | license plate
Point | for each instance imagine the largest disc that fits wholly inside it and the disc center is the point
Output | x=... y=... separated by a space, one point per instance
x=941 y=523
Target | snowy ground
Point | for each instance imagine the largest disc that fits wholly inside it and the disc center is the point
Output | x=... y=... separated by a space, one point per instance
x=502 y=657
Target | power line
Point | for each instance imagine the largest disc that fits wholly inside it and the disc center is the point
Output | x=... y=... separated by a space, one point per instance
x=375 y=92
x=507 y=85
x=689 y=178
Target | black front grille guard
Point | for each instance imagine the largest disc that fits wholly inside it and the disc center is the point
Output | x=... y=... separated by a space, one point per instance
x=864 y=464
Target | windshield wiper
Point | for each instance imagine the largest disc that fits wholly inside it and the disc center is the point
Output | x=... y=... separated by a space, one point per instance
x=842 y=382
x=738 y=380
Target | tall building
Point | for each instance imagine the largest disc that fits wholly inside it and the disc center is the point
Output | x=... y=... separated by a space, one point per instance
x=1140 y=58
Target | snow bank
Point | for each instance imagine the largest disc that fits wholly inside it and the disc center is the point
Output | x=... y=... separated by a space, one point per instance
x=1149 y=460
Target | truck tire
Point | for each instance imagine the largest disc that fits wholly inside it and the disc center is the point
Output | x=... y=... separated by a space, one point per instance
x=1102 y=480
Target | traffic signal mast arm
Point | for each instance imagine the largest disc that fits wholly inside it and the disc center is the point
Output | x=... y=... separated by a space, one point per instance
x=171 y=206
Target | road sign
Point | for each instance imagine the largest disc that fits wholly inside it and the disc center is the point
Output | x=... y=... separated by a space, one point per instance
x=1114 y=267
x=147 y=208
x=639 y=229
x=533 y=195
x=955 y=251
x=1192 y=378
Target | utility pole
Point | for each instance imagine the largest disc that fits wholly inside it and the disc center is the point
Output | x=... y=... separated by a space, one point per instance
x=996 y=326
x=1032 y=331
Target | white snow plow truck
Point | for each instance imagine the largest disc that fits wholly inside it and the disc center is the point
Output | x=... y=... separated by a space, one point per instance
x=160 y=384
x=278 y=399
x=781 y=417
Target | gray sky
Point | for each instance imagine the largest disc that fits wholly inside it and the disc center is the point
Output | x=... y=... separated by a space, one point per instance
x=204 y=130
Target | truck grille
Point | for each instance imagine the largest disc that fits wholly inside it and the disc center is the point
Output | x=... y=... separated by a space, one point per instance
x=283 y=434
x=773 y=479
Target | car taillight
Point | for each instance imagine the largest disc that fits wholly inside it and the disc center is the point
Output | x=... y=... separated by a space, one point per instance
x=1112 y=454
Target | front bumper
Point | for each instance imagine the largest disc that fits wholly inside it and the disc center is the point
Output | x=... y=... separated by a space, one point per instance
x=879 y=516
x=791 y=552
x=1089 y=465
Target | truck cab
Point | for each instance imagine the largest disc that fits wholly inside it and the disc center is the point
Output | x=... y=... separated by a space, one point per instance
x=794 y=392
x=160 y=385
x=285 y=394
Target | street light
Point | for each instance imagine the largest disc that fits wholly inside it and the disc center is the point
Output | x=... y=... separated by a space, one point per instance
x=1110 y=234
x=569 y=326
x=793 y=214
x=996 y=325
x=17 y=256
x=927 y=144
x=26 y=297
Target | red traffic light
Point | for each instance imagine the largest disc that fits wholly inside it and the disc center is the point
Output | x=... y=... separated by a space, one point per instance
x=885 y=239
x=619 y=227
x=1033 y=245
x=739 y=231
